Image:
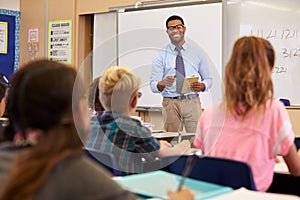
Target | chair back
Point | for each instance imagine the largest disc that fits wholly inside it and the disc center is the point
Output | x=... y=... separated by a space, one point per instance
x=226 y=172
x=105 y=159
x=286 y=102
x=297 y=142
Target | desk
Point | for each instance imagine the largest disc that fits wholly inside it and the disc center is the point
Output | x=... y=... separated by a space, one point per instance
x=173 y=136
x=243 y=193
x=294 y=113
x=154 y=116
x=151 y=115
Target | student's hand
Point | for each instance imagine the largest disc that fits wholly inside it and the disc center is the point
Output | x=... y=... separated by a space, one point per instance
x=183 y=193
x=197 y=87
x=167 y=82
x=178 y=149
x=164 y=144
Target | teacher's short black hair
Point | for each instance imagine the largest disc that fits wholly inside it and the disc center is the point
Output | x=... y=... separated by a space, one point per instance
x=174 y=17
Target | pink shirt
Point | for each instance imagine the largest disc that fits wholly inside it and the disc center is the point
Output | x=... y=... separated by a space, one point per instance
x=256 y=140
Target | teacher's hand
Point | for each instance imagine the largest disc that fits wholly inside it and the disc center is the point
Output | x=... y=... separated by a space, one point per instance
x=197 y=87
x=166 y=82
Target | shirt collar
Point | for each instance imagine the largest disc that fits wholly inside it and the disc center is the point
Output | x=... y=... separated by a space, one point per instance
x=172 y=46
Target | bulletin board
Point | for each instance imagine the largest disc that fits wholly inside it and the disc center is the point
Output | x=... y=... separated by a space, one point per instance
x=9 y=59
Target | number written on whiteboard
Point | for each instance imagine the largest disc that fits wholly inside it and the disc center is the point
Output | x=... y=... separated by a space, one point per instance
x=273 y=33
x=290 y=53
x=279 y=69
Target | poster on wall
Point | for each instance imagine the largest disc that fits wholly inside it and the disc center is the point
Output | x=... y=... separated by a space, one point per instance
x=60 y=41
x=3 y=37
x=33 y=35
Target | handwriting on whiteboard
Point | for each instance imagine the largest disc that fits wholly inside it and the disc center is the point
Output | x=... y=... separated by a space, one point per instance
x=283 y=52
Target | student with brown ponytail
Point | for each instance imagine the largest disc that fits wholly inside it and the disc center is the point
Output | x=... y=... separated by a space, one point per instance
x=42 y=107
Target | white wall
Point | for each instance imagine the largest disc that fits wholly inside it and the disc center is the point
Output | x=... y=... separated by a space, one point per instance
x=10 y=4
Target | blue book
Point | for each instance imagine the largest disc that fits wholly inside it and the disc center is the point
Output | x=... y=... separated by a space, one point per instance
x=156 y=184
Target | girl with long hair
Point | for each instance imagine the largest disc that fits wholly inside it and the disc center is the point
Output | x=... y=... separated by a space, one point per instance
x=46 y=104
x=249 y=125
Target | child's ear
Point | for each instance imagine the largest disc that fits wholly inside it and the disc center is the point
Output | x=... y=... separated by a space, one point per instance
x=134 y=102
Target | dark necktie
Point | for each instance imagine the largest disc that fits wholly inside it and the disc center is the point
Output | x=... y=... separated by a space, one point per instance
x=180 y=71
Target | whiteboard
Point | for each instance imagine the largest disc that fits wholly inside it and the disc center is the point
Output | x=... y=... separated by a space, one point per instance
x=279 y=22
x=104 y=52
x=142 y=33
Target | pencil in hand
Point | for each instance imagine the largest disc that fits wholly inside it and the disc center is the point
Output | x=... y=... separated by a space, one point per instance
x=190 y=162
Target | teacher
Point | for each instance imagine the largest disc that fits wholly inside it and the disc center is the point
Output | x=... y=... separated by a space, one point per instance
x=172 y=64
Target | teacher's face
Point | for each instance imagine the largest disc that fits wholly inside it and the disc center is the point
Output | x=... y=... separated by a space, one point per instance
x=176 y=32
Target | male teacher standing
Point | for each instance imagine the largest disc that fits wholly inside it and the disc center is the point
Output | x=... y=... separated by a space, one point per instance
x=172 y=64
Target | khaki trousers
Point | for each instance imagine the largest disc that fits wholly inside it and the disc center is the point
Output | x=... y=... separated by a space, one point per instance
x=181 y=112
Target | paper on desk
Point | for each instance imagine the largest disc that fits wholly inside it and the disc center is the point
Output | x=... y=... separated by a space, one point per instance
x=281 y=166
x=245 y=194
x=186 y=84
x=158 y=131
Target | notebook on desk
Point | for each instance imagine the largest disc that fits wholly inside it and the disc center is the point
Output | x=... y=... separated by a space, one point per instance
x=156 y=184
x=280 y=166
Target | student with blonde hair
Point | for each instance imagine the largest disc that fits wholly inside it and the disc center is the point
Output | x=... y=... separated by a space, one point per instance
x=249 y=125
x=120 y=134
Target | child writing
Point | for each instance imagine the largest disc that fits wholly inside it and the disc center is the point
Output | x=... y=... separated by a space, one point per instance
x=41 y=103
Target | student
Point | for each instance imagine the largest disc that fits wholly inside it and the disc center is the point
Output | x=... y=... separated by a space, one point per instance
x=249 y=125
x=2 y=98
x=118 y=133
x=2 y=108
x=180 y=109
x=40 y=105
x=93 y=99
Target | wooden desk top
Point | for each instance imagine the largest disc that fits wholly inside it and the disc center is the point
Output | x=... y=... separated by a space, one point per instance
x=292 y=107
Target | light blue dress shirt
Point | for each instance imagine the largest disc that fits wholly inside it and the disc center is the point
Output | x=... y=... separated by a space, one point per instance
x=196 y=63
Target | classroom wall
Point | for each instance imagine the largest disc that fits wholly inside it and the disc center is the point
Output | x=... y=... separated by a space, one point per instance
x=10 y=4
x=32 y=16
x=37 y=13
x=96 y=6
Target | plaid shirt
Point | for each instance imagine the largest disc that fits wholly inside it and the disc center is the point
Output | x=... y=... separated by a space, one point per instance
x=126 y=138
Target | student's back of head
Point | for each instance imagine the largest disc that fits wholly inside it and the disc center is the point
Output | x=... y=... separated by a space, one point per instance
x=40 y=106
x=247 y=79
x=118 y=87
